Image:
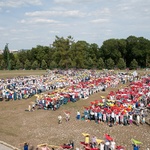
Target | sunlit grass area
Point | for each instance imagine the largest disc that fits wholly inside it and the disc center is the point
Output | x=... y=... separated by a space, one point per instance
x=15 y=73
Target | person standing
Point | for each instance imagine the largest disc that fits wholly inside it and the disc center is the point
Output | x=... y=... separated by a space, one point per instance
x=102 y=146
x=72 y=144
x=26 y=146
x=130 y=118
x=95 y=116
x=136 y=147
x=112 y=117
x=59 y=119
x=106 y=145
x=78 y=115
x=94 y=141
x=87 y=139
x=113 y=145
x=67 y=115
x=138 y=119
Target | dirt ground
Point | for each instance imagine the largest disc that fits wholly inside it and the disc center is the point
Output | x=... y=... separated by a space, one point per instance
x=41 y=126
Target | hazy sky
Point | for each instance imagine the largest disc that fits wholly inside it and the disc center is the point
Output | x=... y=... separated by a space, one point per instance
x=27 y=23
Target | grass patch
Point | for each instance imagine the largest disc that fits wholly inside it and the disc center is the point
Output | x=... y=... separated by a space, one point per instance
x=15 y=73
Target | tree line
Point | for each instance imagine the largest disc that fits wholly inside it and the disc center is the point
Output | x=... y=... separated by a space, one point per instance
x=64 y=53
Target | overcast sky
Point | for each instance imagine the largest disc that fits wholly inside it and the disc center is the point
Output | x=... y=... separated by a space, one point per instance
x=27 y=23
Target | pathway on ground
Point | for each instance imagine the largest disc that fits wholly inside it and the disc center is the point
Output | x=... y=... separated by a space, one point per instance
x=3 y=147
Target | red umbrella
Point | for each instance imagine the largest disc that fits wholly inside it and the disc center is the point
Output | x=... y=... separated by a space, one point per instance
x=108 y=137
x=84 y=144
x=66 y=146
x=120 y=148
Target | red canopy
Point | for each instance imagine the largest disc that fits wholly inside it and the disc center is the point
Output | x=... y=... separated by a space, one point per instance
x=108 y=137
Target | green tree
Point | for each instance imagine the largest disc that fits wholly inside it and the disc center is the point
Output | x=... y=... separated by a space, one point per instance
x=19 y=65
x=100 y=64
x=12 y=64
x=134 y=64
x=110 y=49
x=35 y=65
x=53 y=65
x=147 y=56
x=137 y=48
x=148 y=61
x=41 y=54
x=62 y=52
x=48 y=54
x=89 y=63
x=22 y=56
x=44 y=65
x=109 y=64
x=27 y=65
x=122 y=44
x=6 y=56
x=3 y=65
x=121 y=64
x=80 y=54
x=92 y=51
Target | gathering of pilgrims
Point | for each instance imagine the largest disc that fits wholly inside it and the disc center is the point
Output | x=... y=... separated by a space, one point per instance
x=79 y=83
x=121 y=107
x=124 y=106
x=106 y=143
x=60 y=87
x=75 y=86
x=94 y=143
x=91 y=143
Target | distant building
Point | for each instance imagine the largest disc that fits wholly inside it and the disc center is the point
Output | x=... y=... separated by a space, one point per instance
x=24 y=49
x=14 y=51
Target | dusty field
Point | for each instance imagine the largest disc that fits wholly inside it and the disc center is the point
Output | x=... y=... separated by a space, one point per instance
x=41 y=126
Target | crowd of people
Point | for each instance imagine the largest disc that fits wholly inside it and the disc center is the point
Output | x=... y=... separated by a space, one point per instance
x=107 y=143
x=78 y=85
x=61 y=86
x=24 y=87
x=125 y=106
x=89 y=143
x=93 y=143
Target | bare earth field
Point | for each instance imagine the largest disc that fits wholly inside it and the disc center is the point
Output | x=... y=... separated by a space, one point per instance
x=41 y=126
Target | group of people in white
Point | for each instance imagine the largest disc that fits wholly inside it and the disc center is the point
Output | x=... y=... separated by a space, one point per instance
x=74 y=85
